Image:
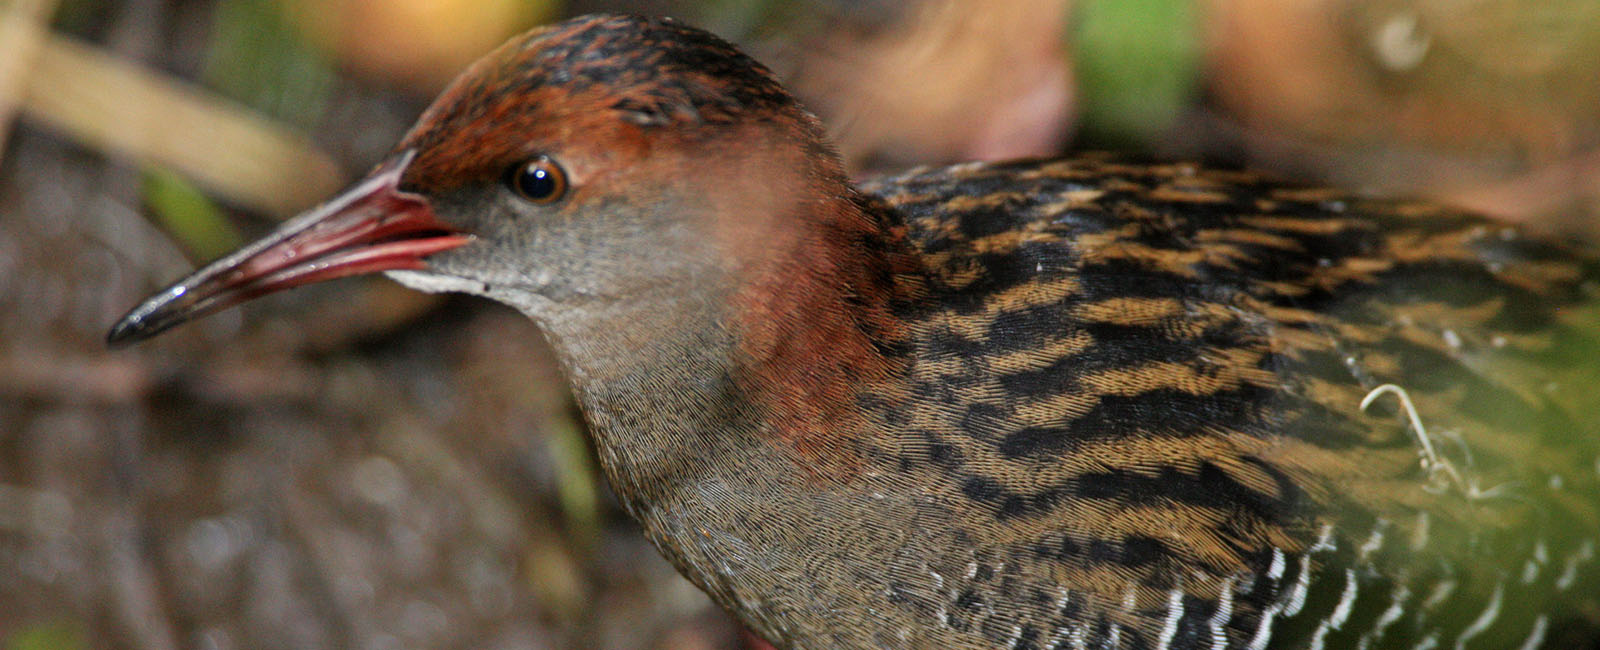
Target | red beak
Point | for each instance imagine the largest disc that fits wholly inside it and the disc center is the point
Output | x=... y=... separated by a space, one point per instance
x=371 y=227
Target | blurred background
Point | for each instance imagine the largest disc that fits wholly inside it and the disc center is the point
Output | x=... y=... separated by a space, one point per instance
x=360 y=466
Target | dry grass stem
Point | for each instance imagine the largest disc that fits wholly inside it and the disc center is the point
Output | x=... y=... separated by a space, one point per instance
x=21 y=33
x=121 y=108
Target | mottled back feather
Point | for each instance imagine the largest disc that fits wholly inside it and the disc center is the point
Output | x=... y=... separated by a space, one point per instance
x=1152 y=379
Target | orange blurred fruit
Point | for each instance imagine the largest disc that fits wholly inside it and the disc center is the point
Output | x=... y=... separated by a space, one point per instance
x=423 y=43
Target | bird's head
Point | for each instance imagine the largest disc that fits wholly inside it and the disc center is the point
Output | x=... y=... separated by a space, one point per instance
x=592 y=161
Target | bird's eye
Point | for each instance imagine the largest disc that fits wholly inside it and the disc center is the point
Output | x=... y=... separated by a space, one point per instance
x=539 y=180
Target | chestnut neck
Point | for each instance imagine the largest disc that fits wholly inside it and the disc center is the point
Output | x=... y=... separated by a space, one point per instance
x=823 y=320
x=766 y=364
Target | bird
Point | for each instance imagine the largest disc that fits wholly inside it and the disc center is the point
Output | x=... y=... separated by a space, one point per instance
x=1081 y=402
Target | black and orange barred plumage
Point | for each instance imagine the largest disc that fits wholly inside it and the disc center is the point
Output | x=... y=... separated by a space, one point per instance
x=1152 y=378
x=1062 y=404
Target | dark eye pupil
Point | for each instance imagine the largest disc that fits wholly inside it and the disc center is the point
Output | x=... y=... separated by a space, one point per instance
x=537 y=181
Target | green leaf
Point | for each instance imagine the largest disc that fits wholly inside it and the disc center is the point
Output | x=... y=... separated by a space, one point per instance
x=1138 y=65
x=192 y=220
x=740 y=19
x=256 y=57
x=58 y=635
x=576 y=479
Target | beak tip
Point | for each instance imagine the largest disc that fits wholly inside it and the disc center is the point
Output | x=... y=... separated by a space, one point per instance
x=374 y=226
x=152 y=317
x=125 y=333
